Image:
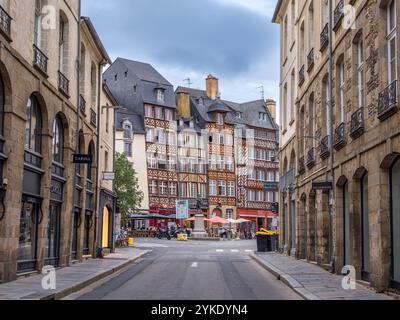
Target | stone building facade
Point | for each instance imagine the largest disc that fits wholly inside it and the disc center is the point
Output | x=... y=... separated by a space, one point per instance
x=39 y=112
x=364 y=229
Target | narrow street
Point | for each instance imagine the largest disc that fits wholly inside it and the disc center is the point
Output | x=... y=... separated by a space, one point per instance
x=191 y=270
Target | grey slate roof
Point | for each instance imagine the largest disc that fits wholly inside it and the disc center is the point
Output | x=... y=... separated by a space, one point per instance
x=203 y=107
x=123 y=75
x=135 y=119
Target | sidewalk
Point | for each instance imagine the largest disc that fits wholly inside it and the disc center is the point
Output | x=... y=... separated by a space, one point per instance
x=70 y=279
x=310 y=281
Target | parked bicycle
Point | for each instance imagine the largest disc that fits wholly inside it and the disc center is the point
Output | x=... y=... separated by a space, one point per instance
x=122 y=239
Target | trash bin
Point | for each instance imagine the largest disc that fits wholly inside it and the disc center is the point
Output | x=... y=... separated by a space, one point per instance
x=130 y=242
x=262 y=243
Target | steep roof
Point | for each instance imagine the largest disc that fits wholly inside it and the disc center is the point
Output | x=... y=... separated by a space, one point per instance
x=204 y=106
x=135 y=119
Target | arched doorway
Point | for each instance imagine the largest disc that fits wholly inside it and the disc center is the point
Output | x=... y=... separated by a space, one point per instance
x=312 y=227
x=346 y=224
x=106 y=228
x=395 y=221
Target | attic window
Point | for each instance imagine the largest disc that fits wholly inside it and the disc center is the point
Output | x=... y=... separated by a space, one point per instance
x=126 y=74
x=135 y=88
x=160 y=95
x=191 y=124
x=239 y=115
x=263 y=116
x=220 y=119
x=116 y=77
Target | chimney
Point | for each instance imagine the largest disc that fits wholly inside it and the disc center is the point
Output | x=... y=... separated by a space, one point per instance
x=183 y=102
x=212 y=87
x=271 y=106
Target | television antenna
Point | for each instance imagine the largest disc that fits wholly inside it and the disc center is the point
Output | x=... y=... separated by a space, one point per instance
x=189 y=82
x=262 y=91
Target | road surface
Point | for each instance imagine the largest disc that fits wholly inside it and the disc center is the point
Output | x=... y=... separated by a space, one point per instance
x=191 y=270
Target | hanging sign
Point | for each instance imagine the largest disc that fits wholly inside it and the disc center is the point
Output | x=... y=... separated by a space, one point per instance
x=83 y=158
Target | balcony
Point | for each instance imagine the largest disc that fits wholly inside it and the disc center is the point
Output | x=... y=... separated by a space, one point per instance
x=310 y=60
x=324 y=149
x=82 y=104
x=340 y=139
x=5 y=24
x=338 y=15
x=311 y=158
x=357 y=123
x=324 y=37
x=63 y=83
x=301 y=76
x=387 y=104
x=40 y=60
x=93 y=117
x=302 y=165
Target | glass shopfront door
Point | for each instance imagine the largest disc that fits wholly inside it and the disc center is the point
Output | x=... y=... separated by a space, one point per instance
x=28 y=236
x=75 y=230
x=395 y=224
x=53 y=235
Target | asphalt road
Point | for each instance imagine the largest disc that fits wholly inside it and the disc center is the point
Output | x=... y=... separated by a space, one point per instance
x=191 y=271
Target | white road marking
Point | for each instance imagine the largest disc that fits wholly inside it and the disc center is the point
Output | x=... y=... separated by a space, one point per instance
x=234 y=251
x=194 y=265
x=249 y=250
x=219 y=250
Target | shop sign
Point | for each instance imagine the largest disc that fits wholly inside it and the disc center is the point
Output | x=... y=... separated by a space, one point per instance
x=83 y=159
x=109 y=176
x=324 y=186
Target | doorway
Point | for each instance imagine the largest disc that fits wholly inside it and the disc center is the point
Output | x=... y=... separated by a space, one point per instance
x=365 y=272
x=395 y=222
x=106 y=228
x=53 y=235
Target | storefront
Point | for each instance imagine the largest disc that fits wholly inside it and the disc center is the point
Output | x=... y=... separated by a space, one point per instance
x=31 y=204
x=107 y=224
x=258 y=219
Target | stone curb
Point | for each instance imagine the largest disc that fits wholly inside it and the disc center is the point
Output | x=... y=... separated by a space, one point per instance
x=286 y=279
x=74 y=288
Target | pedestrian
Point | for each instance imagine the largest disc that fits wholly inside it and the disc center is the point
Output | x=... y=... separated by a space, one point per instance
x=188 y=232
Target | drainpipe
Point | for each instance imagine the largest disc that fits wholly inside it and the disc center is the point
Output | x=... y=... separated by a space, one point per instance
x=98 y=188
x=332 y=229
x=78 y=67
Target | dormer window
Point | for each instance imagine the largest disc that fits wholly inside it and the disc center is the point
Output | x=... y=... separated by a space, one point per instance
x=191 y=124
x=220 y=119
x=201 y=101
x=239 y=115
x=160 y=95
x=263 y=116
x=181 y=123
x=127 y=130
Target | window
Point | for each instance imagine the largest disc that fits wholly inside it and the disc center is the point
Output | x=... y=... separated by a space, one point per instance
x=38 y=23
x=193 y=190
x=231 y=189
x=90 y=171
x=269 y=196
x=172 y=163
x=212 y=162
x=153 y=187
x=311 y=25
x=229 y=164
x=33 y=126
x=260 y=196
x=152 y=161
x=161 y=136
x=170 y=138
x=222 y=188
x=172 y=189
x=58 y=141
x=161 y=95
x=213 y=188
x=251 y=195
x=238 y=115
x=163 y=188
x=360 y=73
x=183 y=190
x=261 y=175
x=202 y=190
x=169 y=115
x=135 y=89
x=62 y=46
x=391 y=38
x=93 y=84
x=229 y=214
x=149 y=111
x=341 y=92
x=128 y=149
x=159 y=113
x=106 y=161
x=228 y=140
x=220 y=119
x=292 y=96
x=285 y=38
x=221 y=163
x=150 y=135
x=127 y=130
x=221 y=139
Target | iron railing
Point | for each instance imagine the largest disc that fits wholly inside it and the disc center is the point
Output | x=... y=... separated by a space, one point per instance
x=93 y=117
x=310 y=158
x=310 y=60
x=325 y=37
x=357 y=123
x=302 y=165
x=63 y=83
x=5 y=23
x=40 y=60
x=82 y=104
x=338 y=15
x=387 y=104
x=301 y=76
x=324 y=147
x=339 y=138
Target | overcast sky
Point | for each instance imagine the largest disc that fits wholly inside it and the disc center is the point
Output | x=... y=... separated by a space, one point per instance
x=231 y=39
